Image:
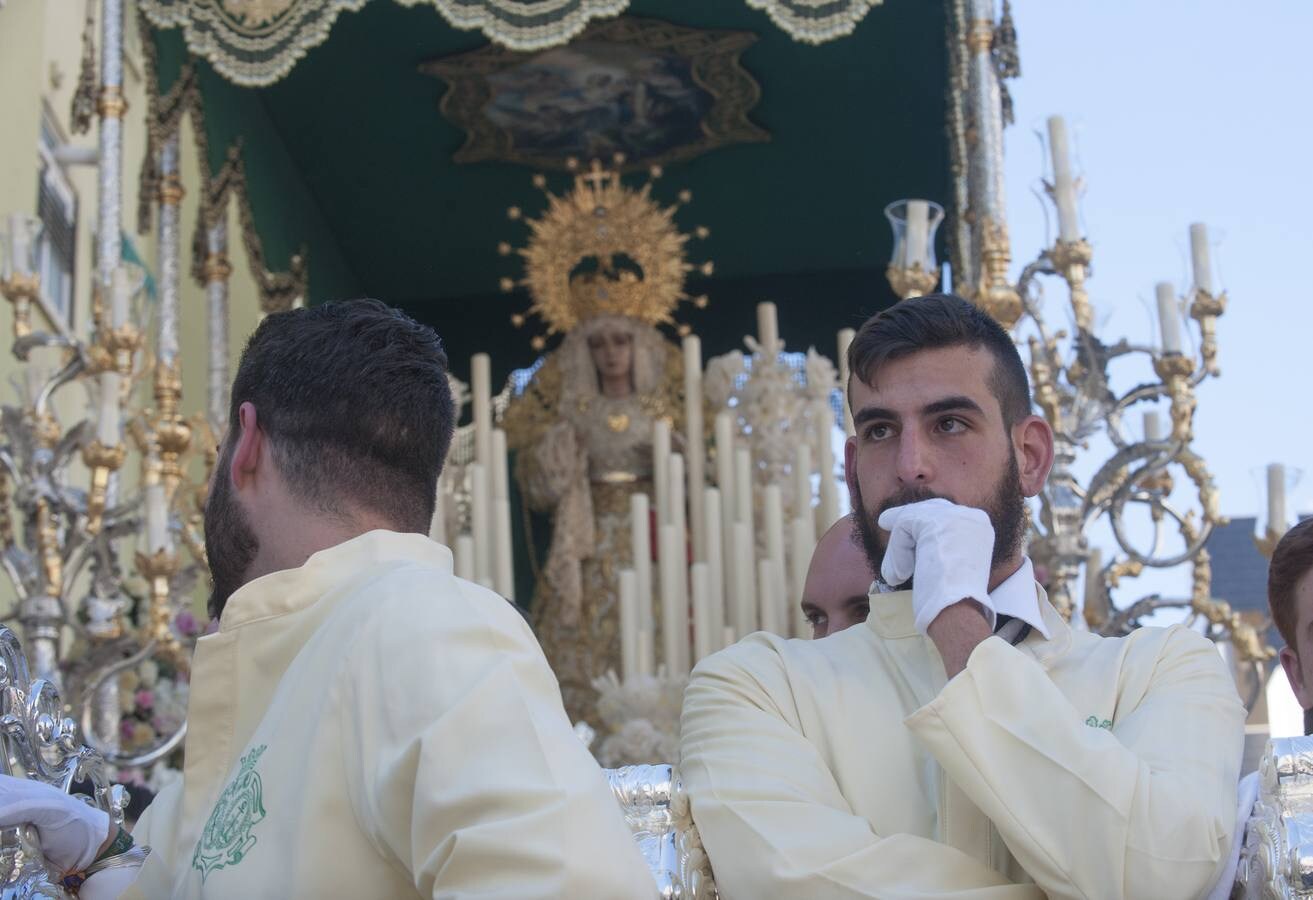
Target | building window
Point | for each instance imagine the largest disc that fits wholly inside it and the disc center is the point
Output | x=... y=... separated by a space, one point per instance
x=57 y=208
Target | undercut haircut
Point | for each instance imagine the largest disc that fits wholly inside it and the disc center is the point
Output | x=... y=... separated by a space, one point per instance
x=1292 y=560
x=354 y=399
x=934 y=321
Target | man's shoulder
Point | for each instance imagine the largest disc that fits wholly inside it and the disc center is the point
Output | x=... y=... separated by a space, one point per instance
x=779 y=663
x=421 y=601
x=1149 y=649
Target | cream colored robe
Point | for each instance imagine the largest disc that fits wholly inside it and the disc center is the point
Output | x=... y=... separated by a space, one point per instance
x=846 y=767
x=370 y=726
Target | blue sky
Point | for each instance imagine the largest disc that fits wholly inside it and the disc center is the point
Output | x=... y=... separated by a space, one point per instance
x=1181 y=112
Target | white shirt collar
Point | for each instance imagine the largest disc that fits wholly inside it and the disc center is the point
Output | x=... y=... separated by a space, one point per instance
x=1016 y=597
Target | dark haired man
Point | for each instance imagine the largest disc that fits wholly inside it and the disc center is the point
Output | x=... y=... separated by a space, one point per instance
x=1290 y=596
x=965 y=741
x=363 y=723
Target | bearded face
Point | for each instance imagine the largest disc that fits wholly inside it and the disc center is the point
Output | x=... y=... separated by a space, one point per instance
x=230 y=542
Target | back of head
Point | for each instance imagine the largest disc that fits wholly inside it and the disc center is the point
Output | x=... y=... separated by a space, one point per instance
x=354 y=399
x=1292 y=561
x=934 y=321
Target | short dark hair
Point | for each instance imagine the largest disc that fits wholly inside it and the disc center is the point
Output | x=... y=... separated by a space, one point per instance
x=933 y=321
x=1291 y=561
x=355 y=401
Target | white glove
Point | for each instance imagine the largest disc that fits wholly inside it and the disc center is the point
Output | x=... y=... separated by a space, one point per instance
x=71 y=831
x=108 y=884
x=946 y=549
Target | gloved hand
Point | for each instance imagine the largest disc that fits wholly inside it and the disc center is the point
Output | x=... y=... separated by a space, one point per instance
x=72 y=832
x=946 y=549
x=108 y=884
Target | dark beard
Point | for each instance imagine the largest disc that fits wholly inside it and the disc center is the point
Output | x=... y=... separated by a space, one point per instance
x=230 y=544
x=1006 y=509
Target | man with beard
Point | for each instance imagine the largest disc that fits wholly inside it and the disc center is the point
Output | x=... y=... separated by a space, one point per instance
x=363 y=723
x=965 y=741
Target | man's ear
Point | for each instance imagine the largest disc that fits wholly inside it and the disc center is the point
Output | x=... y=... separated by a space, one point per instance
x=1295 y=675
x=1032 y=441
x=850 y=470
x=251 y=449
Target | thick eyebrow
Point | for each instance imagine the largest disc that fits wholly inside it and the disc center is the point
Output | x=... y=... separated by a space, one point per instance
x=952 y=404
x=857 y=600
x=960 y=403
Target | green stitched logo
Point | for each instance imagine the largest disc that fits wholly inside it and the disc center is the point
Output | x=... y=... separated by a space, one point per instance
x=1096 y=722
x=227 y=836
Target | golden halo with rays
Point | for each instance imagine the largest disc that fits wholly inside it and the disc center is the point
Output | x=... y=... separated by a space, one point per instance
x=603 y=249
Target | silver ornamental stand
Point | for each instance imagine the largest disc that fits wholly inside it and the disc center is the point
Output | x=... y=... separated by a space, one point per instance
x=41 y=744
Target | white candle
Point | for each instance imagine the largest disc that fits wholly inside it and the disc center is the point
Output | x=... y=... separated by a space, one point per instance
x=730 y=637
x=768 y=329
x=629 y=653
x=743 y=486
x=503 y=563
x=1201 y=257
x=438 y=524
x=157 y=520
x=828 y=510
x=679 y=523
x=918 y=234
x=464 y=556
x=773 y=513
x=19 y=248
x=120 y=297
x=1153 y=427
x=1169 y=318
x=803 y=540
x=802 y=480
x=107 y=422
x=661 y=469
x=725 y=481
x=481 y=523
x=640 y=547
x=674 y=615
x=1064 y=185
x=846 y=336
x=715 y=559
x=745 y=578
x=481 y=512
x=705 y=639
x=767 y=601
x=694 y=443
x=1276 y=498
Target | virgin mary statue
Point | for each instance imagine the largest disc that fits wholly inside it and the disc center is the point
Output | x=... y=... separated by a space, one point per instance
x=583 y=432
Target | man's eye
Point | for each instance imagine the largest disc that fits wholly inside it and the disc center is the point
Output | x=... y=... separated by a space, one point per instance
x=952 y=425
x=878 y=432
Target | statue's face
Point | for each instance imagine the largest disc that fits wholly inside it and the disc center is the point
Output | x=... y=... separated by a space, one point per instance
x=613 y=352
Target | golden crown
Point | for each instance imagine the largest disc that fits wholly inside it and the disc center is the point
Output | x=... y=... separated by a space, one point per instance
x=603 y=249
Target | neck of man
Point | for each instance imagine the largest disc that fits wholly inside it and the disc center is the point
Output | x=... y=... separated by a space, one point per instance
x=1004 y=570
x=295 y=535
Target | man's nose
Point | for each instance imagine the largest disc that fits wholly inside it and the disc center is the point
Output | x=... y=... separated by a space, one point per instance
x=914 y=464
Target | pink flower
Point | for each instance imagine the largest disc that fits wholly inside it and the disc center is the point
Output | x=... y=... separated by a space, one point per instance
x=126 y=728
x=145 y=699
x=186 y=623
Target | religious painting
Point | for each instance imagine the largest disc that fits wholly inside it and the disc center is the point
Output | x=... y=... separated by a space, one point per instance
x=647 y=90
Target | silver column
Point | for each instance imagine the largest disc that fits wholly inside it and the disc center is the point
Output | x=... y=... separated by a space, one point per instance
x=170 y=213
x=217 y=271
x=111 y=106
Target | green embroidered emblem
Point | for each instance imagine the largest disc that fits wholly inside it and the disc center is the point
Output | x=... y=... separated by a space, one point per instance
x=1093 y=722
x=227 y=836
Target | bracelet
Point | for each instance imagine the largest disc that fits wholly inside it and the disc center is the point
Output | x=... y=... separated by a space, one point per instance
x=132 y=857
x=121 y=844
